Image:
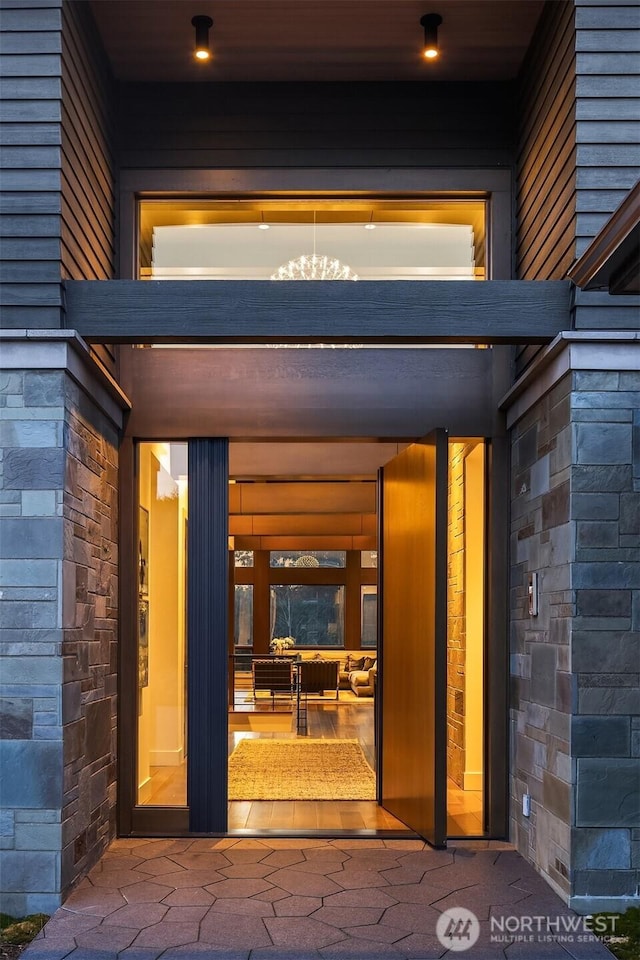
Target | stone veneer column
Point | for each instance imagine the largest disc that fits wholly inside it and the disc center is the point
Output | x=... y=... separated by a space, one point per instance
x=605 y=728
x=541 y=695
x=58 y=639
x=575 y=668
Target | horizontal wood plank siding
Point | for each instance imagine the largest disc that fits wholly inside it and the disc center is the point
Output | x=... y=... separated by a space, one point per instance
x=30 y=163
x=88 y=187
x=607 y=137
x=545 y=170
x=546 y=185
x=230 y=125
x=88 y=164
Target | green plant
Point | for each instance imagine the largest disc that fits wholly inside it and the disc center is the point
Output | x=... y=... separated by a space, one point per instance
x=22 y=931
x=622 y=934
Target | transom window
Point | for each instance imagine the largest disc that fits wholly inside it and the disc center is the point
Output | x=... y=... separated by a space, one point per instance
x=364 y=239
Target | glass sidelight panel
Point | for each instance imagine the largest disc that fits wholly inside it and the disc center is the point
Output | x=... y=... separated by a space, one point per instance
x=162 y=542
x=466 y=638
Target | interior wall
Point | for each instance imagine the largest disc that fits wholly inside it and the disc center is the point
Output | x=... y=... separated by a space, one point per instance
x=465 y=599
x=456 y=624
x=144 y=705
x=161 y=722
x=474 y=607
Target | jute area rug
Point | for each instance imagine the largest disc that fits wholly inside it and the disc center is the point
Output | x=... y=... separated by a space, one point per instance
x=305 y=769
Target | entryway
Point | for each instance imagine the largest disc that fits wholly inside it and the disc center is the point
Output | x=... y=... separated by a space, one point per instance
x=342 y=582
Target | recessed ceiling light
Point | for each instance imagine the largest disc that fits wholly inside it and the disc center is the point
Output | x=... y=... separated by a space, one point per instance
x=369 y=226
x=263 y=226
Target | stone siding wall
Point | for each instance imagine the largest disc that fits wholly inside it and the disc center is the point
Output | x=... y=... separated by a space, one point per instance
x=57 y=637
x=542 y=541
x=605 y=730
x=31 y=539
x=90 y=633
x=575 y=668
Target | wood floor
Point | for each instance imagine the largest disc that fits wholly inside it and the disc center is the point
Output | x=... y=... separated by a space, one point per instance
x=326 y=719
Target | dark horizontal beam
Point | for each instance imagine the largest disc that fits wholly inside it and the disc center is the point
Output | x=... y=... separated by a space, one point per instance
x=254 y=311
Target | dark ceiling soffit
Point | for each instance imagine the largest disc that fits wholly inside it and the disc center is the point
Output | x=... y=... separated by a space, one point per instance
x=611 y=259
x=255 y=311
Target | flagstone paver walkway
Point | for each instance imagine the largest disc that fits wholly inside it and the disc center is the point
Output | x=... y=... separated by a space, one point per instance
x=294 y=899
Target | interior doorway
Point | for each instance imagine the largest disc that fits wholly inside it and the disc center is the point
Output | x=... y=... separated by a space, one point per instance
x=303 y=655
x=303 y=557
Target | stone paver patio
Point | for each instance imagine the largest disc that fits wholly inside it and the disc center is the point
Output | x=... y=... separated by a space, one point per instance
x=293 y=899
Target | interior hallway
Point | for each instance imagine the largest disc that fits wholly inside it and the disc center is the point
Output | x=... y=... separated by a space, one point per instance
x=327 y=718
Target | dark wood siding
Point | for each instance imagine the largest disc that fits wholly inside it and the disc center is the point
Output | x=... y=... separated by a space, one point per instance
x=57 y=207
x=545 y=172
x=88 y=169
x=30 y=161
x=222 y=125
x=608 y=137
x=546 y=184
x=88 y=203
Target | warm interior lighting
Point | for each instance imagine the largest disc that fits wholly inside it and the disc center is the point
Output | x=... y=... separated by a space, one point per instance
x=431 y=22
x=202 y=26
x=314 y=267
x=437 y=239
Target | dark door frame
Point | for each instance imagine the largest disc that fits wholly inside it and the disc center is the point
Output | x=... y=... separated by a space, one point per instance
x=208 y=613
x=208 y=634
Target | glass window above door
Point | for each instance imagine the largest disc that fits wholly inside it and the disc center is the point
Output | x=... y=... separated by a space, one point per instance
x=308 y=558
x=312 y=239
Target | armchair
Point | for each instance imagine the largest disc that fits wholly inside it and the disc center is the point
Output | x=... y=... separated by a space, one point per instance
x=316 y=676
x=273 y=674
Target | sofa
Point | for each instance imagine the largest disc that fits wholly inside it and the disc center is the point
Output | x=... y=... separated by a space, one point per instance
x=356 y=672
x=360 y=674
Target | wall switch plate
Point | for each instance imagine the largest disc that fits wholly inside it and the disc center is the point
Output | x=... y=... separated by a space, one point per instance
x=532 y=592
x=526 y=805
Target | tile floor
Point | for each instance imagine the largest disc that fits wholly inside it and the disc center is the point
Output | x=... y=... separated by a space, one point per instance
x=294 y=899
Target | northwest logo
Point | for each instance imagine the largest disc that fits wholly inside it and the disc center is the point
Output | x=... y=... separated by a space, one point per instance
x=458 y=929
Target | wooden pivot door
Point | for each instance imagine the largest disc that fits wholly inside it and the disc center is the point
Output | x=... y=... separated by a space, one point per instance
x=413 y=537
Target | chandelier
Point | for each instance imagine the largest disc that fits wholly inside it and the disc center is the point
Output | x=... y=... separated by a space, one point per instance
x=311 y=266
x=307 y=561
